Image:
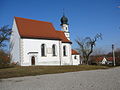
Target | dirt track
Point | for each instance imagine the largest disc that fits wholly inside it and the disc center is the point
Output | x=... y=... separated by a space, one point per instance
x=84 y=80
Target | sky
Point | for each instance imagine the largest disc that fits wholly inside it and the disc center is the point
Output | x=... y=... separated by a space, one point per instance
x=86 y=18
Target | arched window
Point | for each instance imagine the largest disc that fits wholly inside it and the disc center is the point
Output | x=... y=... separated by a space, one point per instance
x=66 y=28
x=64 y=51
x=32 y=60
x=54 y=50
x=75 y=57
x=43 y=50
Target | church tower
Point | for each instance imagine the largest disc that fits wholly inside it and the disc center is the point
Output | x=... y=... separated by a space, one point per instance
x=64 y=26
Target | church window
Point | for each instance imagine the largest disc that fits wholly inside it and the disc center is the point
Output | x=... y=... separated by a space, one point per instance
x=43 y=50
x=75 y=57
x=64 y=51
x=54 y=50
x=66 y=28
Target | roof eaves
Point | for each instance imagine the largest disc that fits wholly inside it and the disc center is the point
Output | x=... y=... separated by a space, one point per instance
x=67 y=42
x=40 y=38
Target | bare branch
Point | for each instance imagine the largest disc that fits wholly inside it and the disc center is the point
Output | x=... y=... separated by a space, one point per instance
x=5 y=33
x=86 y=46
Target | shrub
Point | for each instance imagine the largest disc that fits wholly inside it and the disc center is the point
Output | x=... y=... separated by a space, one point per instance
x=4 y=60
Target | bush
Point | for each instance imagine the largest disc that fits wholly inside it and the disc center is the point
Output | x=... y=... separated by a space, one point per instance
x=4 y=60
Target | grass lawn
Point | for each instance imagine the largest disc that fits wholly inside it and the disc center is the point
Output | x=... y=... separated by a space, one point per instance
x=40 y=70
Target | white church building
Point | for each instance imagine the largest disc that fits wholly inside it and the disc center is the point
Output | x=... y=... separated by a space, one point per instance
x=36 y=42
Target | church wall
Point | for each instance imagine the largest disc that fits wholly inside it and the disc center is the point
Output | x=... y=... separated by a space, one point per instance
x=32 y=47
x=15 y=44
x=76 y=59
x=66 y=60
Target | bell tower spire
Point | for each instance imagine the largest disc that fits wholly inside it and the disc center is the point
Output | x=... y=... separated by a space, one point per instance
x=64 y=26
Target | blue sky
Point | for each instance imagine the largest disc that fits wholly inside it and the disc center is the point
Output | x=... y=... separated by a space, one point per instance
x=86 y=17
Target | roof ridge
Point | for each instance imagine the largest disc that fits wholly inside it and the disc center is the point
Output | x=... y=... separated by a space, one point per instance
x=31 y=20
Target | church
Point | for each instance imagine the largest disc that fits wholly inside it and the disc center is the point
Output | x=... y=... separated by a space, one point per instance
x=36 y=42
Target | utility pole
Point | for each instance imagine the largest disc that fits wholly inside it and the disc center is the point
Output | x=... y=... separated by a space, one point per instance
x=113 y=54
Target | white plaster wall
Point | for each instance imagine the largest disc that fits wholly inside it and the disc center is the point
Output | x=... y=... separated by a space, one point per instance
x=67 y=35
x=66 y=60
x=15 y=44
x=77 y=60
x=65 y=27
x=34 y=45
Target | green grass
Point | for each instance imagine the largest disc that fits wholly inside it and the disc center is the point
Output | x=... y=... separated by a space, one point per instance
x=40 y=70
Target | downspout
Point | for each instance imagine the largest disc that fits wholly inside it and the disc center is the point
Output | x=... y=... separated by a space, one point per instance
x=80 y=60
x=60 y=52
x=20 y=51
x=71 y=55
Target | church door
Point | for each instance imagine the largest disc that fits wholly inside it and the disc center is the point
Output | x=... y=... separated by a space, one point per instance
x=33 y=60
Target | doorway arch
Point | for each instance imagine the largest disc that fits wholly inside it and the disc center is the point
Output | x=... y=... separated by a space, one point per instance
x=33 y=60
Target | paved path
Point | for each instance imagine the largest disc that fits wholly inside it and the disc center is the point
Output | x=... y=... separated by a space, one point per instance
x=84 y=80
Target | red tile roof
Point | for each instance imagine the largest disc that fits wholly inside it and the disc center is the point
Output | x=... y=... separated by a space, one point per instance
x=62 y=36
x=74 y=52
x=107 y=58
x=29 y=28
x=99 y=58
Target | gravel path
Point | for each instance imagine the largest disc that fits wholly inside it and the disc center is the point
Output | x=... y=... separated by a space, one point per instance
x=84 y=80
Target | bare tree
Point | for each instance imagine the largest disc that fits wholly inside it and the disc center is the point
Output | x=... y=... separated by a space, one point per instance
x=86 y=46
x=5 y=33
x=98 y=52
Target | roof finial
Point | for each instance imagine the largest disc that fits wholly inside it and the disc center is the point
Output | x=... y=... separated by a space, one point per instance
x=63 y=12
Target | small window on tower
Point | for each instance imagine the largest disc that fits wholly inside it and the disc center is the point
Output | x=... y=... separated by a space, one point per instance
x=66 y=28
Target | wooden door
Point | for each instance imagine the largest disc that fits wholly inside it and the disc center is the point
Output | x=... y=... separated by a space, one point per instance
x=33 y=60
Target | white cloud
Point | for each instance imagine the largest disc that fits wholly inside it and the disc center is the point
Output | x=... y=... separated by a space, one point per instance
x=118 y=6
